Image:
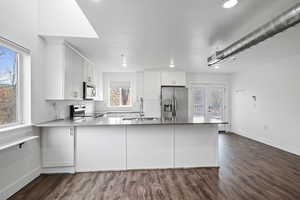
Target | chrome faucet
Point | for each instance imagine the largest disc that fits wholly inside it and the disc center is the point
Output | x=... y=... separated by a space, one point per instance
x=141 y=107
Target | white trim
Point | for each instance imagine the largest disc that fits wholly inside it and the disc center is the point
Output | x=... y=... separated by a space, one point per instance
x=17 y=141
x=26 y=88
x=193 y=84
x=287 y=148
x=13 y=124
x=120 y=106
x=77 y=52
x=19 y=95
x=11 y=189
x=23 y=86
x=58 y=170
x=212 y=84
x=16 y=127
x=13 y=45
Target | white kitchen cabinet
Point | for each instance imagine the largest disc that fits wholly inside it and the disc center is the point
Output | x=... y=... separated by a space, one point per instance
x=149 y=147
x=152 y=85
x=58 y=147
x=65 y=71
x=89 y=72
x=101 y=148
x=74 y=67
x=99 y=85
x=151 y=89
x=173 y=79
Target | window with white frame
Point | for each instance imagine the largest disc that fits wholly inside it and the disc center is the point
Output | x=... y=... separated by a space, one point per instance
x=120 y=94
x=9 y=87
x=15 y=93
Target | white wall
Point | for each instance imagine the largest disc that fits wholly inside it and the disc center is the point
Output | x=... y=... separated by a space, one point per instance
x=208 y=78
x=274 y=118
x=64 y=18
x=18 y=166
x=19 y=23
x=136 y=79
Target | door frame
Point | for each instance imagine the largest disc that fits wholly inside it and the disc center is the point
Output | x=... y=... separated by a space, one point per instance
x=197 y=84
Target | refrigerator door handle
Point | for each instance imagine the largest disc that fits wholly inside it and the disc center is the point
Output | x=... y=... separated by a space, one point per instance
x=175 y=106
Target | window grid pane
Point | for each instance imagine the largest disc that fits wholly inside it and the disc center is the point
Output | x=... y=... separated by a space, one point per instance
x=115 y=97
x=8 y=86
x=120 y=94
x=125 y=96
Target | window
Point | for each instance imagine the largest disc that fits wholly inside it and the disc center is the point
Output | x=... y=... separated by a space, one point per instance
x=198 y=99
x=120 y=94
x=207 y=102
x=9 y=87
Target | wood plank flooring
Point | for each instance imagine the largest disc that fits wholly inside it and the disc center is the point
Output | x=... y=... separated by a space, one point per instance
x=249 y=171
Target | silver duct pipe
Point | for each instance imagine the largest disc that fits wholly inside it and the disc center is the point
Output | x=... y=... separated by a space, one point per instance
x=284 y=21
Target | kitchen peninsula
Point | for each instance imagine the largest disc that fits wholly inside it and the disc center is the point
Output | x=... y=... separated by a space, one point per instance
x=114 y=143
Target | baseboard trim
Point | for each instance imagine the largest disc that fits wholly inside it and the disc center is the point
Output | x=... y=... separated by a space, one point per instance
x=293 y=151
x=58 y=170
x=13 y=188
x=146 y=169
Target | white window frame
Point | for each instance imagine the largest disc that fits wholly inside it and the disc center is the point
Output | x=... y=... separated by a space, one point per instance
x=23 y=88
x=120 y=106
x=211 y=85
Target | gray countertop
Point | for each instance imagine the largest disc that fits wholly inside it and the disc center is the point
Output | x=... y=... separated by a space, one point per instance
x=115 y=121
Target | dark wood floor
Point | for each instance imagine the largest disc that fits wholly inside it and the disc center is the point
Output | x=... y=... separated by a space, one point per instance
x=249 y=171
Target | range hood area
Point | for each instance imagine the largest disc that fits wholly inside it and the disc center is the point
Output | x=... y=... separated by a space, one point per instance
x=286 y=20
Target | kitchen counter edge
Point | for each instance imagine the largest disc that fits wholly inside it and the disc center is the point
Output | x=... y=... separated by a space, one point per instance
x=70 y=123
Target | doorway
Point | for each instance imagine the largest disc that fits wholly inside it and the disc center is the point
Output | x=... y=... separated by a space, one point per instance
x=207 y=102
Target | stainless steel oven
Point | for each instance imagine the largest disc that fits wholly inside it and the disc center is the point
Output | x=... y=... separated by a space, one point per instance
x=89 y=91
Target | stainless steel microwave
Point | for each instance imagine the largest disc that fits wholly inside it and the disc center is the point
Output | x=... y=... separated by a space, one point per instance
x=89 y=91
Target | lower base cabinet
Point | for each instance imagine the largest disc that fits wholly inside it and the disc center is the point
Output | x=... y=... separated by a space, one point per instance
x=58 y=147
x=106 y=148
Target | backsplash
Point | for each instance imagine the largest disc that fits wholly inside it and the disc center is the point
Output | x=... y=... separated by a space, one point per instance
x=101 y=106
x=62 y=111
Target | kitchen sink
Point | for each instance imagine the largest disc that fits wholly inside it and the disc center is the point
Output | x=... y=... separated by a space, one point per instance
x=141 y=118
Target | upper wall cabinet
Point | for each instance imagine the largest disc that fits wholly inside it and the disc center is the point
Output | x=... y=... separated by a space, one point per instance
x=66 y=70
x=89 y=72
x=152 y=85
x=173 y=79
x=74 y=68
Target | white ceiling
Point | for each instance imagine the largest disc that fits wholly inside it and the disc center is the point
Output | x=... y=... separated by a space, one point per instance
x=152 y=32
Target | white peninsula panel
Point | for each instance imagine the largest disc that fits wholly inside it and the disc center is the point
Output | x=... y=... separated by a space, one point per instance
x=149 y=146
x=100 y=148
x=196 y=146
x=57 y=147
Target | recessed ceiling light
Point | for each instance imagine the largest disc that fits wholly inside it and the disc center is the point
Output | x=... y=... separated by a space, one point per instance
x=230 y=3
x=124 y=63
x=216 y=67
x=172 y=65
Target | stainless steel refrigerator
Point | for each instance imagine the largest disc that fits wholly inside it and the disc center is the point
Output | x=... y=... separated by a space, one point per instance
x=174 y=103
